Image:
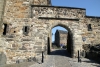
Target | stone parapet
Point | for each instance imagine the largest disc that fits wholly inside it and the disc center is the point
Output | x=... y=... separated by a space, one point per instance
x=57 y=12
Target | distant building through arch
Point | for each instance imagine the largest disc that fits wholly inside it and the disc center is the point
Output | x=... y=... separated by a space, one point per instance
x=61 y=38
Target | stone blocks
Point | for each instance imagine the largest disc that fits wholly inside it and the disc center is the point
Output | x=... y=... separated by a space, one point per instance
x=40 y=20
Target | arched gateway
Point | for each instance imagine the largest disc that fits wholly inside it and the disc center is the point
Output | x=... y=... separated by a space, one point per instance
x=26 y=28
x=70 y=40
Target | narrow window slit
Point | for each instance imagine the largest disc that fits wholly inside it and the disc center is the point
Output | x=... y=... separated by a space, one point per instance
x=89 y=27
x=14 y=31
x=25 y=28
x=5 y=29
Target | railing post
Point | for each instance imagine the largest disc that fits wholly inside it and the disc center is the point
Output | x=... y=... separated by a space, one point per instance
x=42 y=57
x=78 y=56
x=79 y=59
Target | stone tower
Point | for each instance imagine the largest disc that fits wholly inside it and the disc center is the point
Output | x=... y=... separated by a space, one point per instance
x=16 y=23
x=14 y=7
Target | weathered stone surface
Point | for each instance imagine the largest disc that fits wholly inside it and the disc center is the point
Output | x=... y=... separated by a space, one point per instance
x=57 y=12
x=3 y=59
x=40 y=19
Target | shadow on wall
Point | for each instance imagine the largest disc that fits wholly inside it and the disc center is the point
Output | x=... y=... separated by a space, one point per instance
x=48 y=47
x=92 y=51
x=69 y=43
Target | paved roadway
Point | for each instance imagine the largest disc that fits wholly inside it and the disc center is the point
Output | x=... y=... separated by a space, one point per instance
x=60 y=58
x=57 y=58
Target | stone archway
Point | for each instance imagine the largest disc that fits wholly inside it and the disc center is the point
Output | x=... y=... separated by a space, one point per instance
x=70 y=40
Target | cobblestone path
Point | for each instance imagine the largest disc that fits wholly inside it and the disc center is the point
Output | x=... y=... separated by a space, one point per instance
x=60 y=58
x=56 y=59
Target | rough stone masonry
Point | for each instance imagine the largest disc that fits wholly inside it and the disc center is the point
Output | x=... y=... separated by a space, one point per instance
x=25 y=28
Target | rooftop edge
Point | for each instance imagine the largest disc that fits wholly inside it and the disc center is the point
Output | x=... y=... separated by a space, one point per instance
x=57 y=7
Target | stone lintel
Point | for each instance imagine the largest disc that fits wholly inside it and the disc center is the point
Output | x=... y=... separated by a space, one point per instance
x=52 y=18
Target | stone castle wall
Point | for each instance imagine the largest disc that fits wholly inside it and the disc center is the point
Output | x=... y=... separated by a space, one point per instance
x=17 y=9
x=19 y=44
x=92 y=37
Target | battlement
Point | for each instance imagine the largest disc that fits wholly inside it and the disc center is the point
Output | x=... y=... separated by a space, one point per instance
x=41 y=2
